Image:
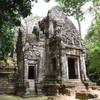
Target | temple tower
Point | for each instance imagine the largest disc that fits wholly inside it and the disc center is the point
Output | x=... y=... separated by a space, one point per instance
x=65 y=53
x=56 y=52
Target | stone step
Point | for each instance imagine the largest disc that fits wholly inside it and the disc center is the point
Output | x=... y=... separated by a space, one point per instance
x=85 y=95
x=7 y=88
x=77 y=84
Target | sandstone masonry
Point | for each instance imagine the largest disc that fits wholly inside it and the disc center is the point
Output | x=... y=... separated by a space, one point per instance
x=56 y=51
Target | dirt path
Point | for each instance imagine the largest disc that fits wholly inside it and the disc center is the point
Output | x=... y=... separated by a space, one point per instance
x=63 y=98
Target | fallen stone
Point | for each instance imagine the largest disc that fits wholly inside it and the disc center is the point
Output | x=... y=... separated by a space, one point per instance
x=85 y=95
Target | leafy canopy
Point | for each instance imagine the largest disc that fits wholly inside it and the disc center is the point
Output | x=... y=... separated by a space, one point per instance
x=12 y=10
x=94 y=30
x=73 y=7
x=93 y=45
x=6 y=40
x=10 y=13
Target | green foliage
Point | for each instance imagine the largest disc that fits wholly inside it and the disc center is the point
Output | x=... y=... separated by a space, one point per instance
x=94 y=61
x=10 y=13
x=73 y=7
x=95 y=7
x=6 y=40
x=94 y=30
x=12 y=10
x=93 y=45
x=7 y=62
x=94 y=54
x=10 y=97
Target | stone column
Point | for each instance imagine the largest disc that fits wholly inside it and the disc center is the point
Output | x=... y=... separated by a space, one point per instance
x=83 y=67
x=67 y=68
x=78 y=68
x=65 y=76
x=41 y=65
x=26 y=70
x=51 y=28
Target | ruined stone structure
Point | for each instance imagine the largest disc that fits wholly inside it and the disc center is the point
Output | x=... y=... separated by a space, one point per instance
x=56 y=50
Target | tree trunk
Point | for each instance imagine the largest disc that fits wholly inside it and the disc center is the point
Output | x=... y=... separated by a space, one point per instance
x=79 y=25
x=78 y=21
x=26 y=24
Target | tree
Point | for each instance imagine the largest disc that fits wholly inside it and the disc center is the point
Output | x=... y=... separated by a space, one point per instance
x=93 y=34
x=10 y=13
x=93 y=45
x=73 y=8
x=94 y=30
x=94 y=61
x=95 y=7
x=6 y=40
x=12 y=10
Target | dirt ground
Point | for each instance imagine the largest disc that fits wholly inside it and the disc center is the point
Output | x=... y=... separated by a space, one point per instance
x=59 y=97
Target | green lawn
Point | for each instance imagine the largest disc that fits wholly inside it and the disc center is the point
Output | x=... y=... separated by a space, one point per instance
x=10 y=97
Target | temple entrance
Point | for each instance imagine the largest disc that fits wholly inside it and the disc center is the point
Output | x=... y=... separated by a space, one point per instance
x=71 y=68
x=31 y=72
x=54 y=66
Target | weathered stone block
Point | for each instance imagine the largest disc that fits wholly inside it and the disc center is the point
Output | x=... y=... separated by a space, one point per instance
x=85 y=95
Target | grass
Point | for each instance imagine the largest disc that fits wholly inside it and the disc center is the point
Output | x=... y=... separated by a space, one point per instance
x=10 y=97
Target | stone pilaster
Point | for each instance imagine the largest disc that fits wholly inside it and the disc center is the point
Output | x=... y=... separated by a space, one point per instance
x=65 y=76
x=83 y=67
x=78 y=67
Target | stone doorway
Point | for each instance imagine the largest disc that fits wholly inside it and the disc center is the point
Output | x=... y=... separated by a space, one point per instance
x=31 y=72
x=72 y=68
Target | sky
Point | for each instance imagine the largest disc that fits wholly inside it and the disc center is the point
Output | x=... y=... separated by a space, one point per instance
x=41 y=9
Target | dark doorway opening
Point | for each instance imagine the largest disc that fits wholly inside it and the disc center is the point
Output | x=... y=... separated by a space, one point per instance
x=54 y=64
x=71 y=68
x=31 y=72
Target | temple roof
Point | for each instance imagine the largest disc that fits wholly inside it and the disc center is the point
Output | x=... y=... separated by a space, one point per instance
x=57 y=23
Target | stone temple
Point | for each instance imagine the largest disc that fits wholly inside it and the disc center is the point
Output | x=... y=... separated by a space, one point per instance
x=55 y=54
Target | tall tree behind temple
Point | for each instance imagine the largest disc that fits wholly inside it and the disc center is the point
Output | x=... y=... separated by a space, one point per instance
x=93 y=45
x=11 y=10
x=10 y=13
x=73 y=8
x=6 y=40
